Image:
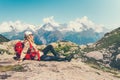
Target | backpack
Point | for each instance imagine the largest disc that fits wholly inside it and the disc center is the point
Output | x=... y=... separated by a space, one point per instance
x=18 y=48
x=29 y=55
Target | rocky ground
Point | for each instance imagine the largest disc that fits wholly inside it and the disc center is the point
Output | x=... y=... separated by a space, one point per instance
x=52 y=70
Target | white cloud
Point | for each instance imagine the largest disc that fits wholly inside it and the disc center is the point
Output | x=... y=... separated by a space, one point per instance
x=77 y=25
x=20 y=26
x=5 y=27
x=50 y=20
x=73 y=25
x=17 y=25
x=83 y=24
x=98 y=28
x=113 y=26
x=85 y=21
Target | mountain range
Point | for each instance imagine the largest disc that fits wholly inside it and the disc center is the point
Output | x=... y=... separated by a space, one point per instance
x=3 y=39
x=80 y=31
x=106 y=51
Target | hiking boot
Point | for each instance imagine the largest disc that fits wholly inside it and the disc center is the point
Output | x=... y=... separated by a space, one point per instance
x=69 y=58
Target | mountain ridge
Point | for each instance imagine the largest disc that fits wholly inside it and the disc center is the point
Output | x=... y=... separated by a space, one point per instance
x=108 y=49
x=12 y=70
x=106 y=58
x=52 y=33
x=3 y=39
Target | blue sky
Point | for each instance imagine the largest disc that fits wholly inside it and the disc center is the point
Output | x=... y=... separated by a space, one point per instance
x=106 y=12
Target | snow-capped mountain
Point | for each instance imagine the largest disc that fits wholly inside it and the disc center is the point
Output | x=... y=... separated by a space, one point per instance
x=14 y=30
x=80 y=31
x=17 y=25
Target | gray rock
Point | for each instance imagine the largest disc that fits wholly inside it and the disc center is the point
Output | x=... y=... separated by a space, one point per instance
x=95 y=54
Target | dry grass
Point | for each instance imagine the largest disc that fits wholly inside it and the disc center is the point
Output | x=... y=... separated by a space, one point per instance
x=17 y=68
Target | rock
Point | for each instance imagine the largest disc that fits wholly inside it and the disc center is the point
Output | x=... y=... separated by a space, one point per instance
x=118 y=57
x=3 y=47
x=8 y=46
x=52 y=70
x=95 y=54
x=117 y=61
x=83 y=47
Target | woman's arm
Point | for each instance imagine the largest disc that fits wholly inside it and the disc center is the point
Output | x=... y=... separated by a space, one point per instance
x=24 y=51
x=35 y=48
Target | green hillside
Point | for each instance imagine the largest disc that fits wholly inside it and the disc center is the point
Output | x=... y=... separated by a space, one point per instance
x=109 y=39
x=109 y=49
x=3 y=39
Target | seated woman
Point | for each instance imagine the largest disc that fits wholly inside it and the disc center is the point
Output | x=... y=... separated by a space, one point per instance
x=29 y=51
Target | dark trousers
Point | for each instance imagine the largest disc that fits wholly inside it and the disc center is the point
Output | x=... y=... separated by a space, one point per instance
x=56 y=57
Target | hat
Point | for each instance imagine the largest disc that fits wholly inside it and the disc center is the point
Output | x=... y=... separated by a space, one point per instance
x=27 y=33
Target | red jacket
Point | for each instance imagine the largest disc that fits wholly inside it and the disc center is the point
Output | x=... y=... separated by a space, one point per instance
x=30 y=54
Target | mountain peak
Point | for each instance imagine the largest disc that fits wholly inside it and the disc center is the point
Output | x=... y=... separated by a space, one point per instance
x=31 y=28
x=48 y=27
x=51 y=21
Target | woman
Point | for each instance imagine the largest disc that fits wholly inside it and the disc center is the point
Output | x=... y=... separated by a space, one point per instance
x=30 y=48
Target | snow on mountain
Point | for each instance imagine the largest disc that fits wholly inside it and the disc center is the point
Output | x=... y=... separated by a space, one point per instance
x=50 y=24
x=15 y=30
x=78 y=25
x=48 y=27
x=84 y=24
x=31 y=28
x=51 y=20
x=17 y=25
x=80 y=30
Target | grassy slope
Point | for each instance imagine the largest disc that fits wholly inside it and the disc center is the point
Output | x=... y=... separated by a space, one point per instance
x=3 y=39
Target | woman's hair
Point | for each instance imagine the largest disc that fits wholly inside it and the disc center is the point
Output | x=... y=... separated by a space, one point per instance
x=27 y=34
x=25 y=37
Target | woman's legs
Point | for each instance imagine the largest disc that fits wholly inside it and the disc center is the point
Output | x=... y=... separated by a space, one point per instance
x=56 y=56
x=50 y=48
x=51 y=58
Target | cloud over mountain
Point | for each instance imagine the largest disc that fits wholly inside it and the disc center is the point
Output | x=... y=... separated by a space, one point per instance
x=78 y=25
x=17 y=25
x=50 y=20
x=83 y=24
x=81 y=30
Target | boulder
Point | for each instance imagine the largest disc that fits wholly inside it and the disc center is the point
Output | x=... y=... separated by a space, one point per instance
x=95 y=55
x=117 y=61
x=3 y=47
